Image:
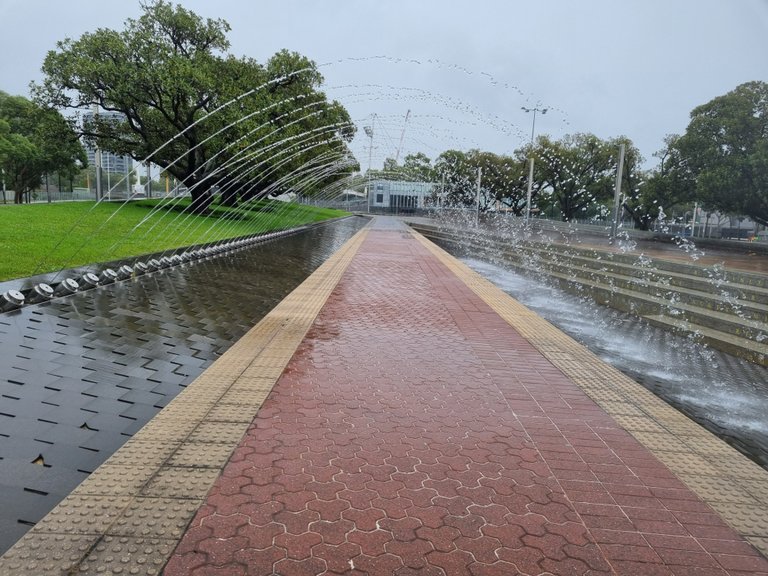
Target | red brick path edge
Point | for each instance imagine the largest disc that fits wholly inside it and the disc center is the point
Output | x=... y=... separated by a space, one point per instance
x=414 y=432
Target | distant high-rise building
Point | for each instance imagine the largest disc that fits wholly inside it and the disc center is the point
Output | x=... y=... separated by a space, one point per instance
x=109 y=162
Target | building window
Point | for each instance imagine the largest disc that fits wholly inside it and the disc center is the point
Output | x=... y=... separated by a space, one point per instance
x=379 y=198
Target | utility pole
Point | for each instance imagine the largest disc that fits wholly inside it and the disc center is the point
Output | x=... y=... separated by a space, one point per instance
x=617 y=196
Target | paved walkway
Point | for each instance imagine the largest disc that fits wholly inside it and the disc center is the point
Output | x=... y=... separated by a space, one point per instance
x=427 y=424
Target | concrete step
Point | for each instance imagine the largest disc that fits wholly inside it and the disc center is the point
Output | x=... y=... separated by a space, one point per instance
x=748 y=349
x=643 y=304
x=709 y=316
x=661 y=288
x=717 y=282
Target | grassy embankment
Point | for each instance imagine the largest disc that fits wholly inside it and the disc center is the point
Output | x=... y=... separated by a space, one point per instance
x=39 y=238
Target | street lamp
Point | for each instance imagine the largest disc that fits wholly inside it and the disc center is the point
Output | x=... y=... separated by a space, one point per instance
x=530 y=169
x=534 y=110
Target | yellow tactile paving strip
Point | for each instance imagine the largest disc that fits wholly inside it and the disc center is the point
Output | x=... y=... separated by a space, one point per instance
x=734 y=486
x=129 y=515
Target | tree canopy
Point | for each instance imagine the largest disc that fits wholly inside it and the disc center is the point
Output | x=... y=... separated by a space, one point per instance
x=203 y=115
x=725 y=149
x=664 y=188
x=35 y=141
x=578 y=171
x=502 y=179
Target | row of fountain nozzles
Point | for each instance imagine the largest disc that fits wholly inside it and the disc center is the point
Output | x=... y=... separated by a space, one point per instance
x=42 y=292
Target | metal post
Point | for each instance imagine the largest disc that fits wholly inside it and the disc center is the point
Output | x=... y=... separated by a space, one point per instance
x=442 y=194
x=530 y=189
x=617 y=195
x=97 y=158
x=109 y=179
x=369 y=132
x=149 y=182
x=47 y=188
x=2 y=174
x=693 y=220
x=479 y=177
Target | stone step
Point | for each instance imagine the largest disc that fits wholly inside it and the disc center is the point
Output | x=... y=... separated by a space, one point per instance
x=685 y=269
x=717 y=282
x=660 y=288
x=643 y=304
x=707 y=314
x=755 y=352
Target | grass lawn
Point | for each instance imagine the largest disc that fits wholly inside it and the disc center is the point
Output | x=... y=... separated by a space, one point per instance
x=39 y=238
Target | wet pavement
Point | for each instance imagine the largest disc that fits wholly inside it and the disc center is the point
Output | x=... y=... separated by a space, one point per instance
x=398 y=414
x=416 y=432
x=81 y=375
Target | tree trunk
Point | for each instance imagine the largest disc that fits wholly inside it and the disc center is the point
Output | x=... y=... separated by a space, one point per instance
x=201 y=201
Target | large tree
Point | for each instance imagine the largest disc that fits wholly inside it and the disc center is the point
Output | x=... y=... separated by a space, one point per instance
x=502 y=179
x=725 y=147
x=35 y=141
x=577 y=171
x=415 y=168
x=657 y=191
x=203 y=115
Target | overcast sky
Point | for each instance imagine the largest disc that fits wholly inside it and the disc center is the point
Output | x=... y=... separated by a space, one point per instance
x=464 y=69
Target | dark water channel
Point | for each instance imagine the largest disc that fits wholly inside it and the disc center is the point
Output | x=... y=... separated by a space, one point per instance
x=80 y=375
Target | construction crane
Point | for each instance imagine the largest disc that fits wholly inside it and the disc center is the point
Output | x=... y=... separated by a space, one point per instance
x=402 y=135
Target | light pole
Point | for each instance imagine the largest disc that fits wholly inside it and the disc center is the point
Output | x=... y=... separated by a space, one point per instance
x=530 y=168
x=534 y=110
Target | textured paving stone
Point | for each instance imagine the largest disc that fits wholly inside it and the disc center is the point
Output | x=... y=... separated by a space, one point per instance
x=416 y=432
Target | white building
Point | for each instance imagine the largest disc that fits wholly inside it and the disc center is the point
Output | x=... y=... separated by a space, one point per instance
x=399 y=194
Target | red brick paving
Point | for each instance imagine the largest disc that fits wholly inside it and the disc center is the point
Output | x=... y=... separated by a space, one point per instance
x=414 y=432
